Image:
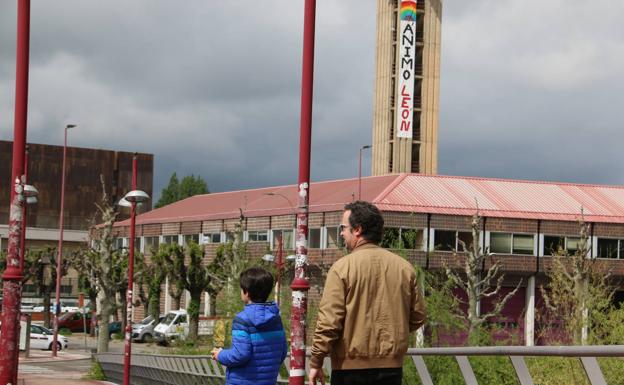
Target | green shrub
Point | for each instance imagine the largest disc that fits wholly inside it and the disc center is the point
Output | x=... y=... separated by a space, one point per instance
x=65 y=332
x=95 y=372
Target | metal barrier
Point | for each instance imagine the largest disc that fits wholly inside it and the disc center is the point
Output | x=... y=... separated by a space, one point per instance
x=191 y=370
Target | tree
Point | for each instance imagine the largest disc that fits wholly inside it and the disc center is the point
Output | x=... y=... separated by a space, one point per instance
x=577 y=291
x=196 y=281
x=101 y=264
x=189 y=186
x=224 y=270
x=475 y=285
x=42 y=277
x=173 y=257
x=152 y=277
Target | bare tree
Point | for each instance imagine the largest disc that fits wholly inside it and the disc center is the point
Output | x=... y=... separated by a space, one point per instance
x=577 y=288
x=478 y=283
x=100 y=263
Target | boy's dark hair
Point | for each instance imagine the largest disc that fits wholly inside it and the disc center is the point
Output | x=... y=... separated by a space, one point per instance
x=368 y=217
x=257 y=283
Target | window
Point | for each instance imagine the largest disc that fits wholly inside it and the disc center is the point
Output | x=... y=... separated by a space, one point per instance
x=334 y=239
x=608 y=248
x=314 y=238
x=191 y=237
x=507 y=243
x=451 y=240
x=500 y=243
x=287 y=238
x=212 y=237
x=258 y=236
x=151 y=243
x=554 y=245
x=119 y=243
x=170 y=239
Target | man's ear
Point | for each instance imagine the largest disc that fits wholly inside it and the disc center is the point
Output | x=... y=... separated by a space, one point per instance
x=357 y=231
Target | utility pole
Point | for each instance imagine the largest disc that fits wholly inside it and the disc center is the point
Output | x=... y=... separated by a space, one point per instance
x=300 y=285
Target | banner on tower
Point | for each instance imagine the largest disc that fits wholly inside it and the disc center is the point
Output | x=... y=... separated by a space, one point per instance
x=405 y=69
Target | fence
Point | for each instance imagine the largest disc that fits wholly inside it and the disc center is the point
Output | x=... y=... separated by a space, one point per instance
x=192 y=370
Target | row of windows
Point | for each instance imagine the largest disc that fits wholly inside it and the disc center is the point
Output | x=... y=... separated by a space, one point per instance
x=443 y=240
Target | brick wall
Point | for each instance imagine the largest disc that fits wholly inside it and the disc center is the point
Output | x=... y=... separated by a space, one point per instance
x=212 y=226
x=170 y=228
x=258 y=223
x=511 y=225
x=190 y=227
x=406 y=220
x=450 y=222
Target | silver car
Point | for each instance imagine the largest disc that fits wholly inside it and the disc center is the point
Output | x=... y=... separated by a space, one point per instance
x=144 y=331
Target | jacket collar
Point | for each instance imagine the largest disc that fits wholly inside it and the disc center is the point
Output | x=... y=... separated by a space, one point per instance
x=364 y=244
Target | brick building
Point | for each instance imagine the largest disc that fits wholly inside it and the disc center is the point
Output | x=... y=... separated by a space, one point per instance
x=521 y=222
x=82 y=189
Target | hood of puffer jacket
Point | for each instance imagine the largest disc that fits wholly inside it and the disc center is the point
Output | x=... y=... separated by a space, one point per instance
x=260 y=314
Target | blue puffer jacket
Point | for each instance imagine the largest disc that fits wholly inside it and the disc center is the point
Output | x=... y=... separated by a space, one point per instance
x=258 y=346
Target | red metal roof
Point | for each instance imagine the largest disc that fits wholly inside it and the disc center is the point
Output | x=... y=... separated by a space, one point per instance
x=412 y=193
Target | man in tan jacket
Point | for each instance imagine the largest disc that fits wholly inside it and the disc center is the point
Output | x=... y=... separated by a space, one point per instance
x=371 y=302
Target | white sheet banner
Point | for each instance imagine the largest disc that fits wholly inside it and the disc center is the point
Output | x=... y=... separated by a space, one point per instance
x=407 y=55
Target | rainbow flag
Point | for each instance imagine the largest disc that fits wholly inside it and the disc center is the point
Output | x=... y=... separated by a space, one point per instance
x=408 y=10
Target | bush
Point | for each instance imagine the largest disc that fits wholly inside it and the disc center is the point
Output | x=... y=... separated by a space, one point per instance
x=65 y=332
x=95 y=372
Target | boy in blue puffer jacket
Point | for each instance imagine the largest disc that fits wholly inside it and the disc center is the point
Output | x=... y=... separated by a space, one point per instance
x=258 y=338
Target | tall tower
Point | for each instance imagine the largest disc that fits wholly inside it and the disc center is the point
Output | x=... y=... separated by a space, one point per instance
x=407 y=84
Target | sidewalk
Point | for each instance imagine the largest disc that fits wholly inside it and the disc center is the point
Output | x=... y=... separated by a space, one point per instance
x=30 y=373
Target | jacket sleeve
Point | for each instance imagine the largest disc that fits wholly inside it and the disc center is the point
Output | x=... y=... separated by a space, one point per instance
x=417 y=308
x=330 y=320
x=240 y=352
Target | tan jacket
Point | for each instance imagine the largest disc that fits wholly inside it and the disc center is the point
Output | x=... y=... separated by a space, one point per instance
x=371 y=302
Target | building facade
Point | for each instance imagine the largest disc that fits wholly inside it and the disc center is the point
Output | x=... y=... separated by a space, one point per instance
x=521 y=223
x=83 y=188
x=407 y=87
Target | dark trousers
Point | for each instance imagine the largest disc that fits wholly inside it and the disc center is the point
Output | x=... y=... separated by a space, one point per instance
x=379 y=376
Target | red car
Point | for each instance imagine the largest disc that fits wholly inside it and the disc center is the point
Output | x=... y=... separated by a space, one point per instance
x=73 y=321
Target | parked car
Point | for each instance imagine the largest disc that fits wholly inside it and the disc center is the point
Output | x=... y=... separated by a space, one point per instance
x=74 y=322
x=42 y=338
x=114 y=328
x=144 y=331
x=174 y=325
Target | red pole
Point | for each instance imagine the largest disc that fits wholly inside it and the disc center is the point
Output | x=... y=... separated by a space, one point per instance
x=23 y=239
x=128 y=336
x=59 y=257
x=280 y=266
x=300 y=285
x=12 y=276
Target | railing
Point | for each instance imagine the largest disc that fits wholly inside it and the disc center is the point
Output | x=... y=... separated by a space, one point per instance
x=191 y=370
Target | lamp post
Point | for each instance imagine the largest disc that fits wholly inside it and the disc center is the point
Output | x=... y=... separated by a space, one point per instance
x=360 y=171
x=300 y=285
x=12 y=276
x=135 y=196
x=59 y=257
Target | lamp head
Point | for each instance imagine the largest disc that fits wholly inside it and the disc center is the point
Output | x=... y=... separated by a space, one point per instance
x=124 y=203
x=136 y=196
x=30 y=191
x=70 y=126
x=268 y=258
x=366 y=146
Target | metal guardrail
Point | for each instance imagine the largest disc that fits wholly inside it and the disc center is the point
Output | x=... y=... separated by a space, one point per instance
x=191 y=370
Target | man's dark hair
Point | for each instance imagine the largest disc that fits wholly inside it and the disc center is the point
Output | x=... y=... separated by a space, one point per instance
x=257 y=283
x=368 y=217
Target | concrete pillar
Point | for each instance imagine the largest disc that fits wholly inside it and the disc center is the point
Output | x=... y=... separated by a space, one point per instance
x=187 y=299
x=206 y=304
x=529 y=316
x=167 y=296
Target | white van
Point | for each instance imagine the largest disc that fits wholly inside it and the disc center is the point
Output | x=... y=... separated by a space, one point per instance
x=174 y=325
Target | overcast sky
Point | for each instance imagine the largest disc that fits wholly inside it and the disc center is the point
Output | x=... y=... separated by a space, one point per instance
x=530 y=89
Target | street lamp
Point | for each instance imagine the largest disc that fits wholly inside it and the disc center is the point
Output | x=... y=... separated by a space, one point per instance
x=57 y=307
x=279 y=264
x=360 y=171
x=134 y=197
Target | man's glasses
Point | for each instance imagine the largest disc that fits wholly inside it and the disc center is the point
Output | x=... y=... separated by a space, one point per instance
x=342 y=227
